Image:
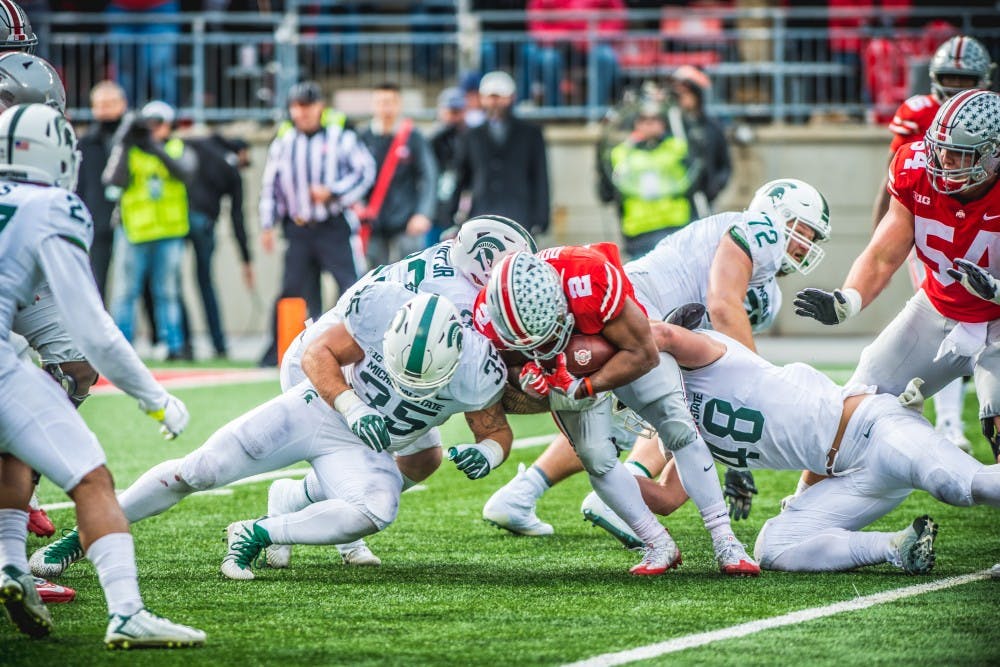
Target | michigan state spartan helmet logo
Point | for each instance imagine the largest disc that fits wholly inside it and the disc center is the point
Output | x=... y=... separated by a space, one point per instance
x=483 y=241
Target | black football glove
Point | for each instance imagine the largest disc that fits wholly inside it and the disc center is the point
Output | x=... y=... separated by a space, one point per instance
x=826 y=307
x=690 y=316
x=976 y=280
x=740 y=491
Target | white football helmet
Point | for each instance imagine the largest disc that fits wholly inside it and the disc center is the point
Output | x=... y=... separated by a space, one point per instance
x=38 y=145
x=15 y=29
x=963 y=141
x=483 y=241
x=422 y=346
x=792 y=204
x=28 y=79
x=960 y=56
x=527 y=306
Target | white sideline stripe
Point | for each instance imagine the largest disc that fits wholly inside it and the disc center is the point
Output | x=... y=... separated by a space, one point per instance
x=793 y=618
x=520 y=443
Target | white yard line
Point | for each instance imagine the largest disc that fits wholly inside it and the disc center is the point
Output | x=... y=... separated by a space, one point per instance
x=793 y=618
x=204 y=378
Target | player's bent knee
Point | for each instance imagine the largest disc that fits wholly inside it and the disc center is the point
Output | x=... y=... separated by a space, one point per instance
x=381 y=507
x=200 y=469
x=98 y=479
x=676 y=434
x=598 y=463
x=766 y=549
x=950 y=488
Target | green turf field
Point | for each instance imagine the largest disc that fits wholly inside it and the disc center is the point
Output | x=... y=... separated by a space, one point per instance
x=454 y=590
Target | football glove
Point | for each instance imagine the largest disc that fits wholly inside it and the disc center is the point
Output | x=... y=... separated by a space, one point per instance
x=172 y=415
x=911 y=396
x=828 y=307
x=740 y=490
x=563 y=388
x=532 y=380
x=365 y=422
x=991 y=435
x=976 y=280
x=478 y=460
x=690 y=316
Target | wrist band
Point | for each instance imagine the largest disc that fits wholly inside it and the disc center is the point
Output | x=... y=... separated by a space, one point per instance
x=588 y=387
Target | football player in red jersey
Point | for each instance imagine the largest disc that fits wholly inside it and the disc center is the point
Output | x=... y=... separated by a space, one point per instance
x=533 y=303
x=946 y=203
x=959 y=64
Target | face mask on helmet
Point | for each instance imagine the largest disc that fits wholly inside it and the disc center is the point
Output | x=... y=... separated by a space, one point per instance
x=963 y=57
x=527 y=306
x=38 y=145
x=483 y=241
x=963 y=142
x=422 y=346
x=800 y=213
x=15 y=29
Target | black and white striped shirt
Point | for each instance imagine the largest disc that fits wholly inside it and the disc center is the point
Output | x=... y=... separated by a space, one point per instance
x=332 y=157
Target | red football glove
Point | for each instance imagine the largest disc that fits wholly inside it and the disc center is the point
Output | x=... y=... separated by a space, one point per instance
x=564 y=388
x=532 y=380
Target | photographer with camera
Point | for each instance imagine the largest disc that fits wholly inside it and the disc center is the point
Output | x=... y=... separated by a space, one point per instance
x=153 y=171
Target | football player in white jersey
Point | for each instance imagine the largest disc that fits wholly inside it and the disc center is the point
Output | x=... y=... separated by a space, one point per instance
x=455 y=269
x=873 y=449
x=377 y=384
x=45 y=232
x=729 y=261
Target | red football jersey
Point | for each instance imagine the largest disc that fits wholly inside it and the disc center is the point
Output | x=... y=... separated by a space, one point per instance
x=912 y=120
x=593 y=279
x=945 y=229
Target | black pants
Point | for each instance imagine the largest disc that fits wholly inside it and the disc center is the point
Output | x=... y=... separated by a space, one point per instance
x=311 y=250
x=100 y=260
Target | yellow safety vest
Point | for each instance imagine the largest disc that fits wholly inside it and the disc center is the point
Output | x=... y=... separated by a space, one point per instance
x=155 y=204
x=653 y=185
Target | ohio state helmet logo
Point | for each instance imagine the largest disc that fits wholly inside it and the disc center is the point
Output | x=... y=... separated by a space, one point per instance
x=582 y=357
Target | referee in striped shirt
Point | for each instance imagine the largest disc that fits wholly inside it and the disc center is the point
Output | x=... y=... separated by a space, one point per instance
x=316 y=169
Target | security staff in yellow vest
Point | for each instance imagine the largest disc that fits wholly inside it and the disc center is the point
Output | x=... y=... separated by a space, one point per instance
x=151 y=169
x=647 y=176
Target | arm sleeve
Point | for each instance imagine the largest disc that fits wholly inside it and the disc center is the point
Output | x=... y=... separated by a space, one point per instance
x=72 y=283
x=356 y=170
x=427 y=183
x=268 y=184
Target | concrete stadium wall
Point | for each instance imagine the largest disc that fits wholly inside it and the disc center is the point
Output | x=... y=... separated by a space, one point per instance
x=847 y=163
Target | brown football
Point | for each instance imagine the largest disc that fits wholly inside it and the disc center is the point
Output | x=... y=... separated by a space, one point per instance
x=586 y=353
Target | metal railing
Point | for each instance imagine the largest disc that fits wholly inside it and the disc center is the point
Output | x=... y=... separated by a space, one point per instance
x=768 y=64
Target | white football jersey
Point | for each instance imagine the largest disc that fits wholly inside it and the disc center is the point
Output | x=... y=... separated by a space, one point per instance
x=29 y=214
x=478 y=382
x=676 y=271
x=754 y=414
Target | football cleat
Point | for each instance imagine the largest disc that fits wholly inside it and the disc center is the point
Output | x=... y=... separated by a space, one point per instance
x=915 y=546
x=658 y=557
x=598 y=513
x=39 y=522
x=359 y=555
x=52 y=593
x=245 y=541
x=994 y=571
x=954 y=434
x=52 y=560
x=512 y=508
x=733 y=559
x=278 y=556
x=24 y=607
x=144 y=629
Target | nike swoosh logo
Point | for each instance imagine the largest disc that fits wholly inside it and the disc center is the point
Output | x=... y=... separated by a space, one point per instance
x=868 y=430
x=990 y=217
x=707 y=468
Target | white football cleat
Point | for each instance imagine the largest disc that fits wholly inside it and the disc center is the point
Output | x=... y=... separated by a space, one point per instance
x=733 y=558
x=22 y=602
x=995 y=571
x=358 y=554
x=52 y=560
x=245 y=541
x=278 y=556
x=597 y=512
x=915 y=546
x=658 y=557
x=512 y=508
x=953 y=433
x=144 y=629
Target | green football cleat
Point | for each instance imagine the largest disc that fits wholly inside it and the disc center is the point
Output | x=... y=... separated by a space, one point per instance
x=24 y=607
x=246 y=540
x=51 y=561
x=145 y=629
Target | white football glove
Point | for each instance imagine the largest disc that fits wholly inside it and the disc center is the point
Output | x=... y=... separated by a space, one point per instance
x=172 y=415
x=976 y=280
x=365 y=422
x=911 y=396
x=478 y=460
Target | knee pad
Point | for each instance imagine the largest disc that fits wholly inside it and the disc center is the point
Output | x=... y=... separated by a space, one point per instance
x=381 y=506
x=200 y=469
x=599 y=460
x=676 y=430
x=949 y=488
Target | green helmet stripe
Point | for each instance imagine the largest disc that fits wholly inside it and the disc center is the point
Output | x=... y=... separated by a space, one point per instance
x=10 y=133
x=415 y=360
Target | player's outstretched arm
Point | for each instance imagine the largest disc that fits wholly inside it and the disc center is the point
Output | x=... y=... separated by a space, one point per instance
x=83 y=316
x=691 y=349
x=636 y=355
x=323 y=363
x=728 y=281
x=494 y=439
